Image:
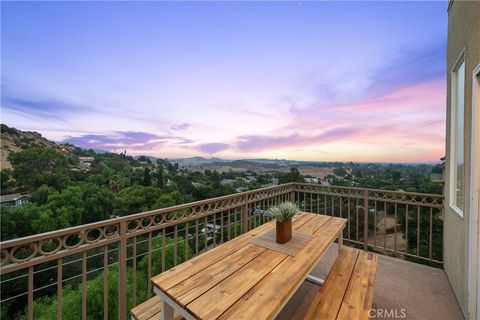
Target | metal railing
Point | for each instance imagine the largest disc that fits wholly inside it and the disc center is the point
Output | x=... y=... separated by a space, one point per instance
x=103 y=269
x=406 y=225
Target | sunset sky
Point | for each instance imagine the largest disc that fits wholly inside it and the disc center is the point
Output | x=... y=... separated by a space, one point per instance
x=323 y=81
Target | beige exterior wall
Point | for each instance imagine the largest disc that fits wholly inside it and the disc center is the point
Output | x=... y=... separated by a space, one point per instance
x=463 y=34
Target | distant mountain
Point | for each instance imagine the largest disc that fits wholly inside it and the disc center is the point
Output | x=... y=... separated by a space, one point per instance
x=197 y=160
x=14 y=140
x=261 y=161
x=249 y=162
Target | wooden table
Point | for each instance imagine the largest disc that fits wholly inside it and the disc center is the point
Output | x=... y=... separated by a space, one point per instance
x=241 y=280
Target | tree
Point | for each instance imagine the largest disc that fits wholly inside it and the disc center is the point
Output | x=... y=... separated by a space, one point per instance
x=116 y=163
x=263 y=179
x=135 y=199
x=36 y=166
x=168 y=200
x=340 y=171
x=40 y=196
x=340 y=182
x=15 y=221
x=396 y=174
x=147 y=180
x=357 y=172
x=144 y=159
x=292 y=176
x=97 y=203
x=159 y=177
x=62 y=210
x=183 y=185
x=6 y=175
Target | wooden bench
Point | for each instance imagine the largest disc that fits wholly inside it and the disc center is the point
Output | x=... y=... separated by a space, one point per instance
x=348 y=290
x=149 y=310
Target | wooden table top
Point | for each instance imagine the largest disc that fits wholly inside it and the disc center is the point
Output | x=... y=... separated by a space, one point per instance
x=241 y=280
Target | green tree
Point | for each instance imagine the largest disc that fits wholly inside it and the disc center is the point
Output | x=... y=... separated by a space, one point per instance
x=144 y=159
x=159 y=175
x=116 y=163
x=147 y=180
x=340 y=171
x=135 y=199
x=41 y=195
x=61 y=211
x=36 y=166
x=15 y=221
x=167 y=200
x=5 y=179
x=97 y=203
x=292 y=176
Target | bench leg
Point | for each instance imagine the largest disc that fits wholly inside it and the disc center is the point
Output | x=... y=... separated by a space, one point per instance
x=340 y=241
x=167 y=311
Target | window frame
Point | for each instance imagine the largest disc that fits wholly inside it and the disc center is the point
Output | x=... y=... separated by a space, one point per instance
x=453 y=173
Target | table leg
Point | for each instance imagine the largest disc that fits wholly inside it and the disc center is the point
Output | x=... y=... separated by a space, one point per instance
x=168 y=306
x=340 y=241
x=167 y=311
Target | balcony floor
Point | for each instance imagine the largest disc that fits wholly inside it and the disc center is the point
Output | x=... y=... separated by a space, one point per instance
x=423 y=292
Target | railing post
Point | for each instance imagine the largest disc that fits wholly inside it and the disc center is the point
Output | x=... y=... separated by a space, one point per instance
x=122 y=270
x=245 y=214
x=365 y=221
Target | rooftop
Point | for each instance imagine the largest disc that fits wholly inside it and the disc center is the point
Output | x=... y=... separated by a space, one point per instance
x=12 y=197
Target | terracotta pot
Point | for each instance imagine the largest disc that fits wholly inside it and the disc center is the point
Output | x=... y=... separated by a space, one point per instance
x=284 y=231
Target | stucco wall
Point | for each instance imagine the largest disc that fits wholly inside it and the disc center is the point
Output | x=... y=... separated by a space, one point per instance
x=463 y=33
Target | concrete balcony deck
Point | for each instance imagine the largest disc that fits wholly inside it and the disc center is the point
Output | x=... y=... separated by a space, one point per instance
x=423 y=292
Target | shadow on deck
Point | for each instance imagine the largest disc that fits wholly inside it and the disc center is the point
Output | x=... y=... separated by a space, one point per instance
x=422 y=292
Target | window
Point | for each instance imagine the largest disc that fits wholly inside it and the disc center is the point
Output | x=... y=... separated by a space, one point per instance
x=457 y=163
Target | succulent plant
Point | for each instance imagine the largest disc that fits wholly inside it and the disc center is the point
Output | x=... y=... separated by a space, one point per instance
x=284 y=211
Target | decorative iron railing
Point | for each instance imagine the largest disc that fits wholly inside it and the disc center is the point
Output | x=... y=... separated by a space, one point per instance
x=101 y=270
x=402 y=224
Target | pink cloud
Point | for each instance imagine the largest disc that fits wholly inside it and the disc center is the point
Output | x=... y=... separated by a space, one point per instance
x=406 y=123
x=252 y=143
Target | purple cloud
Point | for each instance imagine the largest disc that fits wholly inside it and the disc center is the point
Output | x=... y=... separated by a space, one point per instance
x=30 y=104
x=334 y=134
x=212 y=148
x=258 y=142
x=137 y=136
x=132 y=140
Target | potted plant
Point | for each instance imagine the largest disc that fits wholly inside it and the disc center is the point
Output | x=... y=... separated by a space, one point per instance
x=284 y=213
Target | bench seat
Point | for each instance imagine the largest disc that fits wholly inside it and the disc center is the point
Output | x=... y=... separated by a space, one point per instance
x=348 y=290
x=150 y=310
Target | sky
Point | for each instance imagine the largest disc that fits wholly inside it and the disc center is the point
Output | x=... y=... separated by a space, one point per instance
x=320 y=81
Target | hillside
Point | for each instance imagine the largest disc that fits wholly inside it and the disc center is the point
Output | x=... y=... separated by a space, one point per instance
x=196 y=160
x=13 y=140
x=259 y=167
